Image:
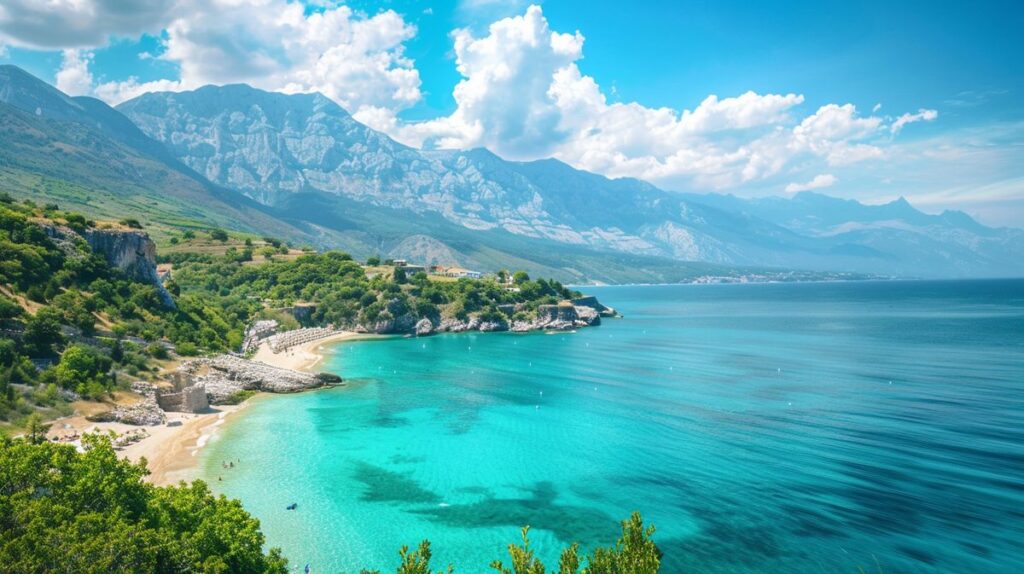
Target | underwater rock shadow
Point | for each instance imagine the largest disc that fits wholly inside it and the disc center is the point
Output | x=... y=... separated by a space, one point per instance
x=383 y=485
x=569 y=523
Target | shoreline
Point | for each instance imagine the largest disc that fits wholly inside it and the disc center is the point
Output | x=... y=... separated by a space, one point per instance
x=172 y=451
x=169 y=451
x=305 y=356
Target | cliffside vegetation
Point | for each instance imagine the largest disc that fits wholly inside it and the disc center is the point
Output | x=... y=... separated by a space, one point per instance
x=64 y=511
x=71 y=323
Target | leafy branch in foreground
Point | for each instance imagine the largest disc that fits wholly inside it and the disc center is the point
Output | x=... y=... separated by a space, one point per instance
x=634 y=553
x=63 y=511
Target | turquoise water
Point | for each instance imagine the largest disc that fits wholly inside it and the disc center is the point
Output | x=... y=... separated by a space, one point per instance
x=761 y=428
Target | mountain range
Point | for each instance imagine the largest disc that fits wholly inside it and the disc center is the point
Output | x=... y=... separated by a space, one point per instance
x=300 y=167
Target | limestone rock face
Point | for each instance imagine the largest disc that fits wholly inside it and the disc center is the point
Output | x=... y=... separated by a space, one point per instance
x=588 y=315
x=225 y=375
x=556 y=317
x=592 y=302
x=130 y=251
x=424 y=327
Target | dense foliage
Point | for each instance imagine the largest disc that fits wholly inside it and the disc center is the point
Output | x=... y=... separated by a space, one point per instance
x=345 y=296
x=61 y=511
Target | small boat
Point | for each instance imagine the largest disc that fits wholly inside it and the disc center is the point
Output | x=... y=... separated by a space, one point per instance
x=293 y=506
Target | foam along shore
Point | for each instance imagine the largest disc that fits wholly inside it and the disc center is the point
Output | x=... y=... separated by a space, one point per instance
x=170 y=449
x=302 y=357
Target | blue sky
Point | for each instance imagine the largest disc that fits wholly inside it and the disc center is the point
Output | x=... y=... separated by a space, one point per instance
x=867 y=100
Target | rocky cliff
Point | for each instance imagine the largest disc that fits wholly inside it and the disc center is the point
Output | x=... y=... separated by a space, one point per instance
x=128 y=250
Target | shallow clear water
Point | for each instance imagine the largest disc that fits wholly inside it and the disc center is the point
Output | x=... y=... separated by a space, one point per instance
x=761 y=428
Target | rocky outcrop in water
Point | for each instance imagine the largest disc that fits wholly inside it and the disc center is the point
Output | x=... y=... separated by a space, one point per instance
x=591 y=302
x=225 y=375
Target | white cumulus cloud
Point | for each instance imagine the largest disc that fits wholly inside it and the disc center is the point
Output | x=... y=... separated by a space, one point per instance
x=73 y=77
x=523 y=96
x=820 y=181
x=922 y=115
x=356 y=59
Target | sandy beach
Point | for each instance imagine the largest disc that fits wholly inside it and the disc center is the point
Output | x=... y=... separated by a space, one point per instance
x=171 y=449
x=301 y=357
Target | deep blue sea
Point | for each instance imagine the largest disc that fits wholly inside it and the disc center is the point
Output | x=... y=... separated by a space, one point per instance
x=797 y=428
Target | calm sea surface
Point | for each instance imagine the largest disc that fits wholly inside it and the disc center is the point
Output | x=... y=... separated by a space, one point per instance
x=762 y=428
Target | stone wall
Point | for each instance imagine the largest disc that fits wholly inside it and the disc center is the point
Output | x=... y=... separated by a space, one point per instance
x=189 y=400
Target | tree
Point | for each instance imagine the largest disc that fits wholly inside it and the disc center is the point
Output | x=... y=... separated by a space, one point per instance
x=373 y=260
x=35 y=430
x=98 y=515
x=634 y=553
x=520 y=277
x=42 y=332
x=83 y=370
x=9 y=309
x=523 y=560
x=131 y=222
x=415 y=562
x=218 y=235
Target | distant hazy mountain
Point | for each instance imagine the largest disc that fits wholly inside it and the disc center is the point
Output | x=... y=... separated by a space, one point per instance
x=276 y=148
x=84 y=155
x=915 y=243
